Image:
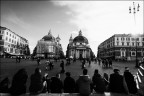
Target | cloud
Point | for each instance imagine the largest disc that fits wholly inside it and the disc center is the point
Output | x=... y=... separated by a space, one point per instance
x=15 y=19
x=99 y=20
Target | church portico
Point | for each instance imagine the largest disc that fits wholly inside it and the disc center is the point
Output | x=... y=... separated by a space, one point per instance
x=78 y=47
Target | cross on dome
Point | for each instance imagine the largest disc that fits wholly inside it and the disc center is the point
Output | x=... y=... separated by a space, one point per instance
x=80 y=33
x=49 y=33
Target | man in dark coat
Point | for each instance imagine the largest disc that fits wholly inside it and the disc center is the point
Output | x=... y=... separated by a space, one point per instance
x=69 y=84
x=117 y=83
x=19 y=82
x=36 y=84
x=84 y=84
x=56 y=84
x=129 y=78
x=98 y=82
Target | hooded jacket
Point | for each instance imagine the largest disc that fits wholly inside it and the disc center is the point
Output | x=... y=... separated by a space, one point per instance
x=84 y=85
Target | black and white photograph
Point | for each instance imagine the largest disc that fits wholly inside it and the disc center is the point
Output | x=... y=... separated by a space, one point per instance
x=71 y=48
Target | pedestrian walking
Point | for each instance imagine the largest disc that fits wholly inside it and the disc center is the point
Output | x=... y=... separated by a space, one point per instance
x=38 y=61
x=62 y=66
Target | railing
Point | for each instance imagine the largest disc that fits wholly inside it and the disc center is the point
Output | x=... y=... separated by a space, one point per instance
x=140 y=80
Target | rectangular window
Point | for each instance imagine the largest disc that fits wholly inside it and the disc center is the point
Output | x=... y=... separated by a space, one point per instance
x=0 y=37
x=137 y=43
x=9 y=40
x=132 y=43
x=132 y=39
x=122 y=43
x=7 y=33
x=127 y=43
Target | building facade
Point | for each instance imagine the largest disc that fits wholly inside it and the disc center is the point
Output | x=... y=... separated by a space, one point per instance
x=78 y=47
x=49 y=47
x=122 y=46
x=12 y=43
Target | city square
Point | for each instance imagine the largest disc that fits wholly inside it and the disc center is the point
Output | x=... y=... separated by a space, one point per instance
x=100 y=43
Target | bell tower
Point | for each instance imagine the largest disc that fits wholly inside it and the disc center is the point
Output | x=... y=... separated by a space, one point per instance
x=71 y=39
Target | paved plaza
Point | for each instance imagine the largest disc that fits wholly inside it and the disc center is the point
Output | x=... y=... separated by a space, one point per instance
x=9 y=67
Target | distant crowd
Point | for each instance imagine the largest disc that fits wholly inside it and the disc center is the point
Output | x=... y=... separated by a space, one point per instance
x=84 y=85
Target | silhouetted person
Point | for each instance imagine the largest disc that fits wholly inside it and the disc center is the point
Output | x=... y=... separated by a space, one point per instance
x=19 y=59
x=84 y=84
x=98 y=82
x=38 y=61
x=18 y=86
x=56 y=84
x=4 y=85
x=69 y=84
x=117 y=83
x=83 y=64
x=129 y=78
x=110 y=62
x=62 y=66
x=36 y=82
x=47 y=64
x=51 y=65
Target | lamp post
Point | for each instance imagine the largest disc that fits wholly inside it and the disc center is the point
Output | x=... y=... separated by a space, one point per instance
x=134 y=10
x=137 y=66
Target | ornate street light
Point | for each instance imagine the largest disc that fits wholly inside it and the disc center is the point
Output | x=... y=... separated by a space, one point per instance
x=134 y=10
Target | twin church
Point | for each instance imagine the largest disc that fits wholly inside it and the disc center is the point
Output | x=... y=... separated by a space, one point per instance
x=50 y=47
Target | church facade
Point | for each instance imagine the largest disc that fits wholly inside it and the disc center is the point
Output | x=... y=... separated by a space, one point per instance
x=78 y=47
x=49 y=47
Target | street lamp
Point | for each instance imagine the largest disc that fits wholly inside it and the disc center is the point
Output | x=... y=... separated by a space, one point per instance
x=134 y=10
x=137 y=66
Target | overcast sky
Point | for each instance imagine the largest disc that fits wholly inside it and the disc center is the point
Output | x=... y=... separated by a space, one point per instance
x=98 y=20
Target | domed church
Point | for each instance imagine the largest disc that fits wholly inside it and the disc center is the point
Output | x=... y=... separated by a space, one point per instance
x=78 y=47
x=49 y=47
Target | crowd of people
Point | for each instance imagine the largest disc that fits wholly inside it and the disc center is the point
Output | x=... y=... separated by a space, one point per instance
x=84 y=85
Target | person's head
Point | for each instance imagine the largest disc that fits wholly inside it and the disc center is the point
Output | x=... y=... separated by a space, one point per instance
x=68 y=74
x=37 y=70
x=58 y=75
x=126 y=69
x=21 y=71
x=96 y=71
x=85 y=71
x=116 y=70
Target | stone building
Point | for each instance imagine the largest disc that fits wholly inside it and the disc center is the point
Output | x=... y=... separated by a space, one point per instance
x=122 y=46
x=12 y=43
x=49 y=47
x=79 y=47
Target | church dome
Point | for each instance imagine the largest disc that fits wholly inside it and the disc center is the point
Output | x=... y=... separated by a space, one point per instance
x=80 y=38
x=48 y=37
